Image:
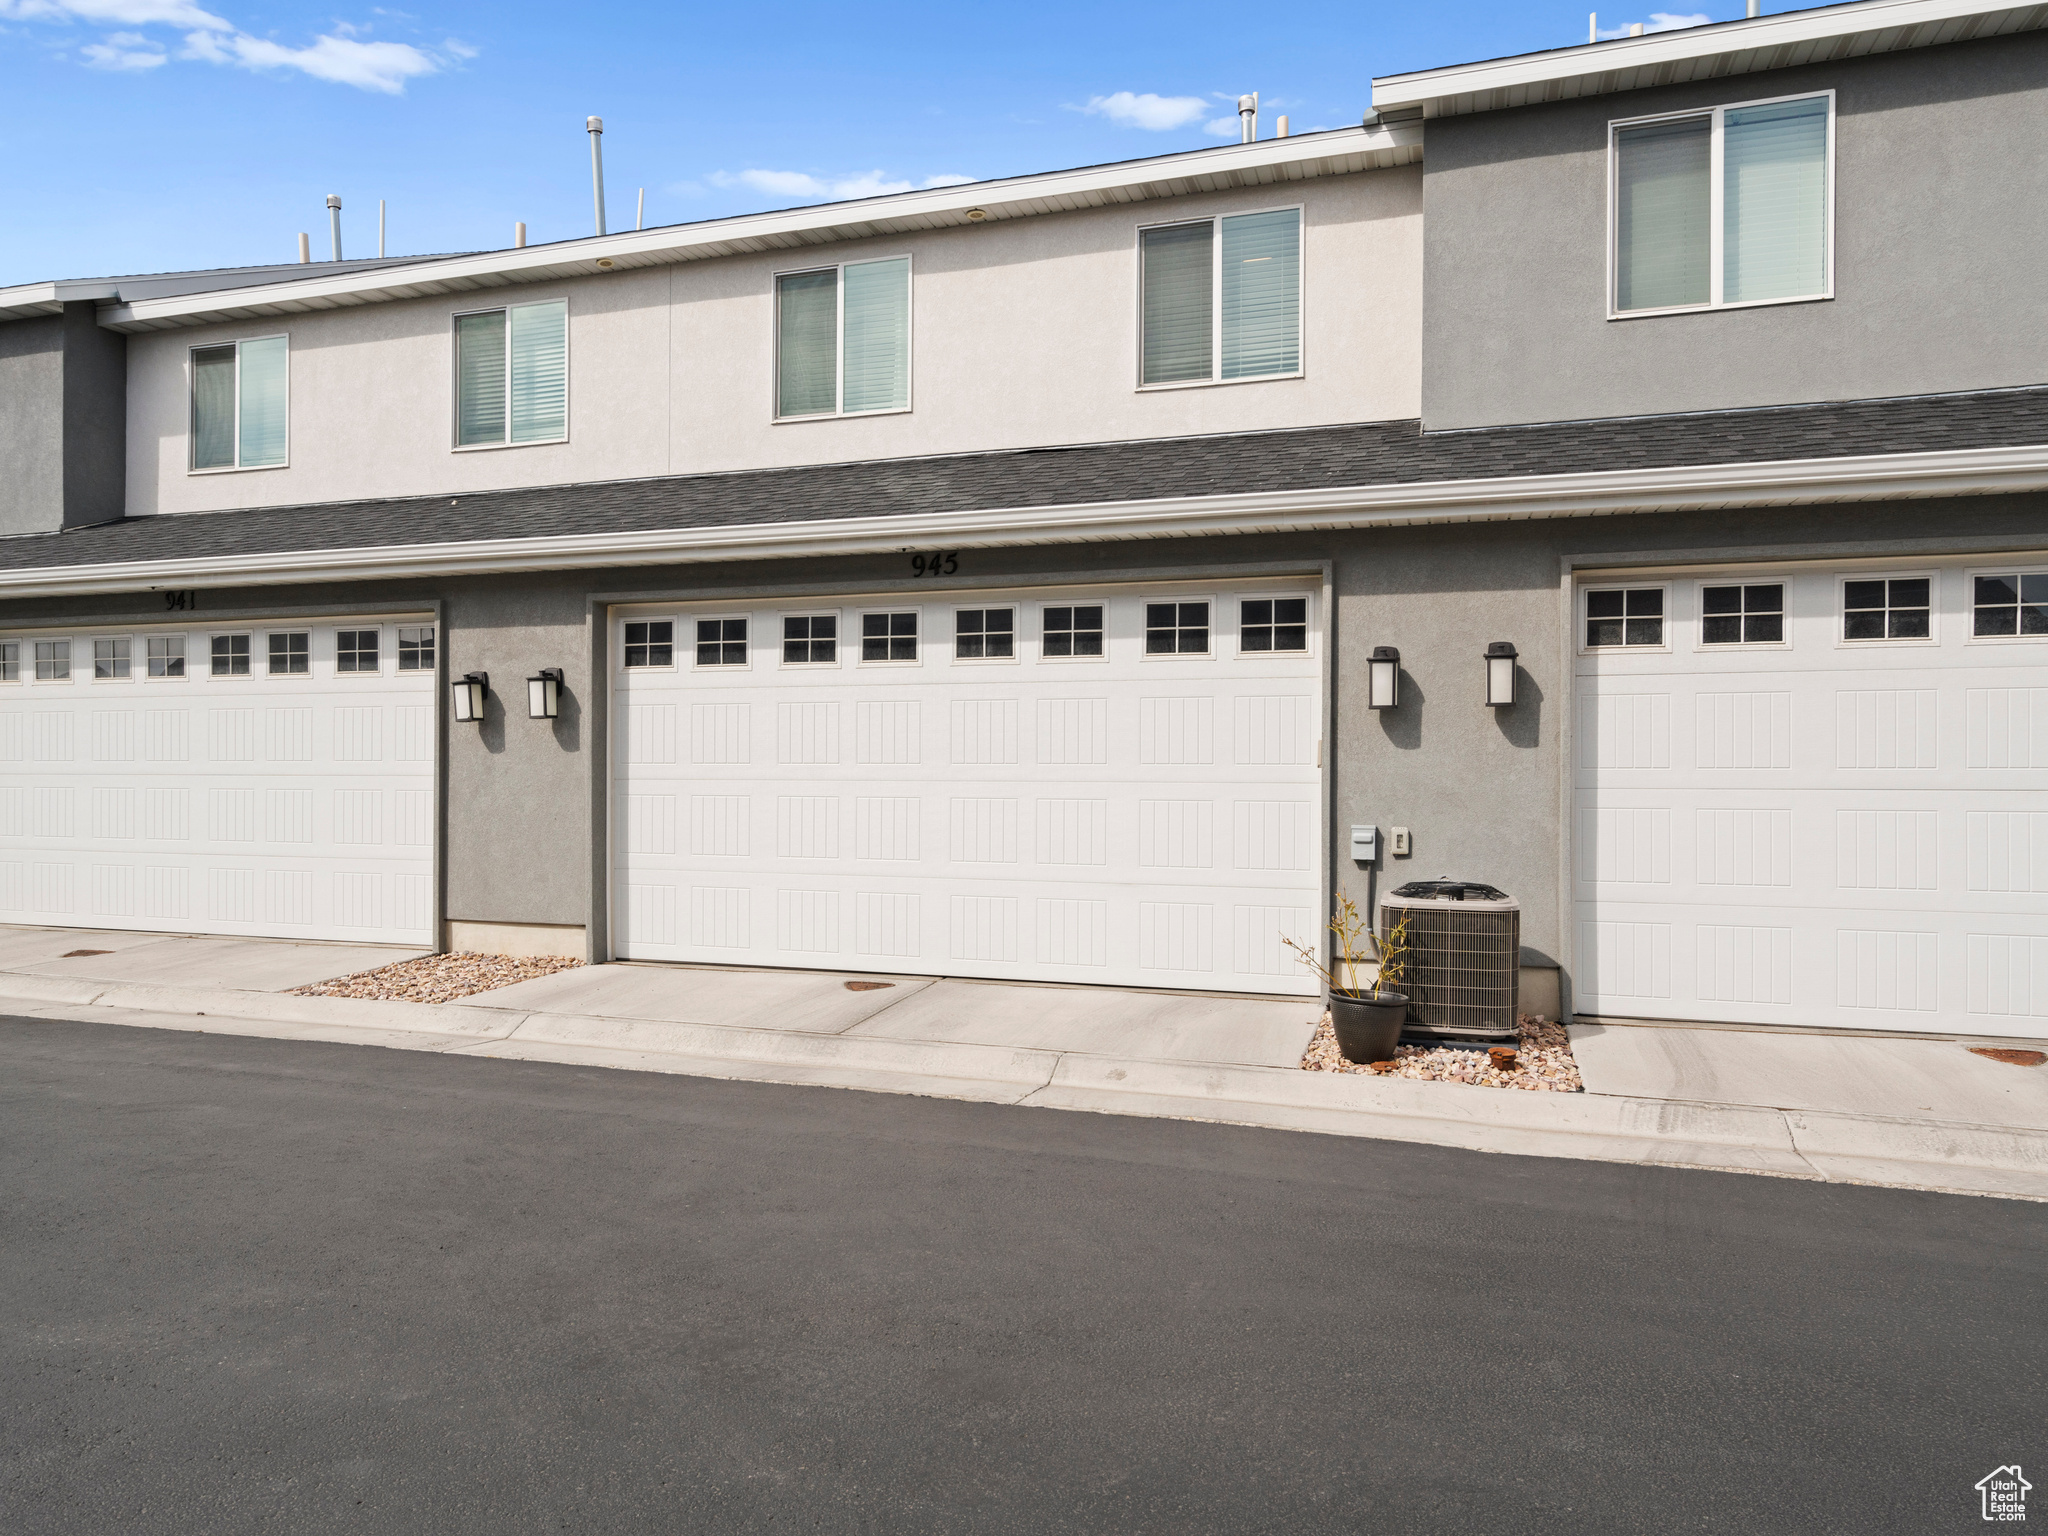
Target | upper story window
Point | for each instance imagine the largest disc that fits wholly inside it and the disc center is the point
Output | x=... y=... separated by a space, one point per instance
x=239 y=405
x=1220 y=299
x=842 y=339
x=512 y=375
x=1726 y=207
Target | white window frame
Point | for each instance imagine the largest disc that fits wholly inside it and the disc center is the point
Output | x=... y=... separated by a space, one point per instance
x=742 y=614
x=227 y=634
x=1237 y=600
x=1167 y=658
x=455 y=443
x=29 y=662
x=839 y=413
x=1839 y=617
x=838 y=617
x=94 y=675
x=1699 y=615
x=183 y=675
x=675 y=621
x=1715 y=196
x=192 y=426
x=1661 y=648
x=1108 y=633
x=923 y=634
x=1215 y=222
x=386 y=656
x=1970 y=575
x=1017 y=617
x=21 y=661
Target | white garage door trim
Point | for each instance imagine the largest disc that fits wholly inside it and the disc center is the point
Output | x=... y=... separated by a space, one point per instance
x=1815 y=831
x=1129 y=820
x=164 y=798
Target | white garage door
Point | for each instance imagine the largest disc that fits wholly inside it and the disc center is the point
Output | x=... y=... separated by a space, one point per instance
x=1084 y=785
x=1815 y=796
x=264 y=779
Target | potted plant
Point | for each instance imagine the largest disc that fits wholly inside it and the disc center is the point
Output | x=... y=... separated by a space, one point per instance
x=1367 y=1020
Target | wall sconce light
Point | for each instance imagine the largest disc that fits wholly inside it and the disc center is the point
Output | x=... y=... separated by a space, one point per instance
x=544 y=694
x=470 y=689
x=1383 y=678
x=1500 y=673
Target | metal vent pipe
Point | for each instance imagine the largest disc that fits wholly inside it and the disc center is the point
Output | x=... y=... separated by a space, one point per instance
x=594 y=126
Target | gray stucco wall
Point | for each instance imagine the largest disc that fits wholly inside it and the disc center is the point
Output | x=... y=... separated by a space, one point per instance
x=1941 y=210
x=63 y=421
x=1479 y=788
x=32 y=424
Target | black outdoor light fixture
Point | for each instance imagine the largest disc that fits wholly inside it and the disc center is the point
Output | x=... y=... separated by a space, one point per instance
x=544 y=694
x=1383 y=678
x=1500 y=673
x=470 y=689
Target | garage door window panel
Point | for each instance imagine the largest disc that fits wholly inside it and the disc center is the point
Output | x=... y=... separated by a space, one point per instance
x=1071 y=633
x=1625 y=618
x=2009 y=605
x=167 y=656
x=291 y=653
x=649 y=643
x=230 y=655
x=112 y=659
x=1888 y=608
x=1176 y=629
x=10 y=661
x=985 y=634
x=1742 y=614
x=1269 y=624
x=53 y=661
x=357 y=651
x=888 y=637
x=416 y=649
x=810 y=640
x=722 y=642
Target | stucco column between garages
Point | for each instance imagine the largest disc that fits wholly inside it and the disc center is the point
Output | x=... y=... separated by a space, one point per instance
x=518 y=824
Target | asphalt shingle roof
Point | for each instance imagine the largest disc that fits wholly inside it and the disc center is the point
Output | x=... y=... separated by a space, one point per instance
x=1313 y=458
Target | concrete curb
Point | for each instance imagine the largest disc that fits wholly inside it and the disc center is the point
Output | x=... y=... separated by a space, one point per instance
x=1959 y=1159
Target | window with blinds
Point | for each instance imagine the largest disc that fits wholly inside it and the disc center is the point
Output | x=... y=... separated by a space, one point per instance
x=512 y=375
x=1731 y=206
x=842 y=339
x=240 y=404
x=1220 y=299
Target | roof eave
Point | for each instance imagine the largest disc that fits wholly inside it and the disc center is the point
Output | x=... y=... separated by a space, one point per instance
x=1790 y=482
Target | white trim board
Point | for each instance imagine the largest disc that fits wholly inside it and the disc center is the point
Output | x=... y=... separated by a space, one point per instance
x=1698 y=53
x=1879 y=477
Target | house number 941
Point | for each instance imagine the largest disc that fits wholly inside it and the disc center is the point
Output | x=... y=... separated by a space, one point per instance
x=944 y=563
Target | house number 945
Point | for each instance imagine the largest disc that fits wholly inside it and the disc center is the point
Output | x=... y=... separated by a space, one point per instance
x=944 y=563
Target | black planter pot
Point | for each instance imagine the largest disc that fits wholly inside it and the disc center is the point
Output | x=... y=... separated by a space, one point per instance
x=1368 y=1028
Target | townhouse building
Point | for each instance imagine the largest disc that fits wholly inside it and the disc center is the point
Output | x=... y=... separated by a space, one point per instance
x=988 y=581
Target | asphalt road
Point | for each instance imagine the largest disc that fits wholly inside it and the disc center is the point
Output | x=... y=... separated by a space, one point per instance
x=252 y=1285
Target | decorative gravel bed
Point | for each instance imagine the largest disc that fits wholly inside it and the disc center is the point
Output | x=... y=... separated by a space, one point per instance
x=439 y=978
x=1543 y=1060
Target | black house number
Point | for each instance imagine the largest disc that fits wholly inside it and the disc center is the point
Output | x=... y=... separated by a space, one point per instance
x=177 y=602
x=943 y=563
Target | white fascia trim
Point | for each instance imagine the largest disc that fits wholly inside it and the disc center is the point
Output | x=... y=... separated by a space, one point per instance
x=1881 y=477
x=29 y=299
x=1010 y=197
x=1421 y=87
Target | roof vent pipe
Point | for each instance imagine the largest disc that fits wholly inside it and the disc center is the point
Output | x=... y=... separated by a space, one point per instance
x=1280 y=126
x=640 y=218
x=1592 y=26
x=334 y=222
x=1248 y=116
x=380 y=229
x=1755 y=8
x=1635 y=29
x=305 y=249
x=518 y=236
x=594 y=126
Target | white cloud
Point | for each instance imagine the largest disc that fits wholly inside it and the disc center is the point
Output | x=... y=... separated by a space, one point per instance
x=124 y=51
x=1158 y=113
x=1660 y=21
x=459 y=48
x=1225 y=127
x=367 y=66
x=803 y=184
x=341 y=56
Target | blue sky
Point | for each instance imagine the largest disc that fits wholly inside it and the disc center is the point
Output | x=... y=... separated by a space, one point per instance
x=155 y=135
